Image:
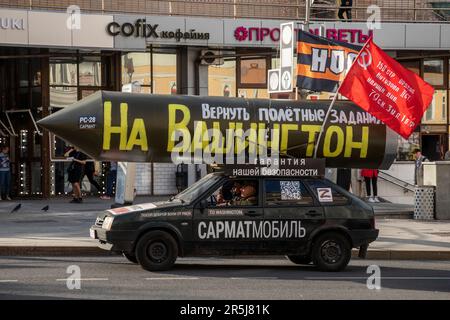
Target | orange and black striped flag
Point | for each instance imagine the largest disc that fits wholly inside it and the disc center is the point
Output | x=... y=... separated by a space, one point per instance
x=321 y=62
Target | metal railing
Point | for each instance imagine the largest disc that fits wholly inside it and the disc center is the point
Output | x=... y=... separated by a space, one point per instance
x=321 y=10
x=406 y=186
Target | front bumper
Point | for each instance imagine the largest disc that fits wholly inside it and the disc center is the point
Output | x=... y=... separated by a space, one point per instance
x=113 y=240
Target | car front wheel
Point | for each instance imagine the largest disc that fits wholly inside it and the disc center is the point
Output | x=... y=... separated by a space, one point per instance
x=130 y=257
x=156 y=251
x=300 y=259
x=331 y=252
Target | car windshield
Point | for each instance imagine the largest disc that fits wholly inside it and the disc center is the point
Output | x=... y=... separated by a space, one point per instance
x=198 y=188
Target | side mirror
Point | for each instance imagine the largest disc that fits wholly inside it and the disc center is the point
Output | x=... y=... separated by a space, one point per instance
x=203 y=204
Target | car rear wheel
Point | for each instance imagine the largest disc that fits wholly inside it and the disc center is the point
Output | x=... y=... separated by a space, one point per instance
x=156 y=251
x=300 y=259
x=331 y=252
x=130 y=257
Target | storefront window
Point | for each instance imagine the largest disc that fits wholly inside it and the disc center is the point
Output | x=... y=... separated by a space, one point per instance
x=164 y=73
x=252 y=72
x=413 y=65
x=136 y=66
x=23 y=73
x=222 y=79
x=155 y=72
x=90 y=72
x=62 y=96
x=406 y=147
x=67 y=88
x=36 y=72
x=437 y=111
x=63 y=73
x=255 y=93
x=433 y=71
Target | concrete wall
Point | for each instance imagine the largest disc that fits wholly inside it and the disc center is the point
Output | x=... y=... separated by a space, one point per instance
x=164 y=179
x=164 y=175
x=437 y=174
x=403 y=171
x=143 y=181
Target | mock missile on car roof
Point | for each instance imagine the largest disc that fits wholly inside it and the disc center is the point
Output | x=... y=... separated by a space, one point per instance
x=193 y=129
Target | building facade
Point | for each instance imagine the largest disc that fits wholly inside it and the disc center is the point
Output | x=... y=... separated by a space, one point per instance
x=53 y=54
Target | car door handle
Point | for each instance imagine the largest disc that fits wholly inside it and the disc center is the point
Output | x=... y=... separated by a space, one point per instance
x=252 y=213
x=313 y=213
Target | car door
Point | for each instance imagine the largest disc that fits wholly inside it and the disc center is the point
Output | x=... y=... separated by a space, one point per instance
x=338 y=207
x=227 y=228
x=292 y=212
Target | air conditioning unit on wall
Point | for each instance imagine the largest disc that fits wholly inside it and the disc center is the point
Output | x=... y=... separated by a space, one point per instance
x=211 y=61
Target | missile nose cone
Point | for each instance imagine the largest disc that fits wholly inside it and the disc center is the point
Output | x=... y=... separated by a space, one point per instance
x=78 y=123
x=48 y=122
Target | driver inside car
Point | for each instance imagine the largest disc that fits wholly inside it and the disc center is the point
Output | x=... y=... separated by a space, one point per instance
x=225 y=194
x=248 y=196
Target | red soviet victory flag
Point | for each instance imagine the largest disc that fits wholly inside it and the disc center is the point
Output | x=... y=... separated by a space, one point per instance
x=384 y=88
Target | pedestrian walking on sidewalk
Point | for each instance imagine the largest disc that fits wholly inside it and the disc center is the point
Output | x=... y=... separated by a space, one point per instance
x=76 y=172
x=5 y=173
x=110 y=181
x=370 y=178
x=90 y=172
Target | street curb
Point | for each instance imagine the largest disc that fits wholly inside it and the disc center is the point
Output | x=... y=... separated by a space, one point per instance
x=64 y=251
x=375 y=254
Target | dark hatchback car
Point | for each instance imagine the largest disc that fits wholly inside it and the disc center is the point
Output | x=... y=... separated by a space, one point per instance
x=310 y=220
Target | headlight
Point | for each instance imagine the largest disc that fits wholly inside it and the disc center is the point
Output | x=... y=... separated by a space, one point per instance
x=107 y=223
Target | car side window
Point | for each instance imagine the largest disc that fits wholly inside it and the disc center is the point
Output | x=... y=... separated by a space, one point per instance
x=327 y=194
x=235 y=193
x=286 y=193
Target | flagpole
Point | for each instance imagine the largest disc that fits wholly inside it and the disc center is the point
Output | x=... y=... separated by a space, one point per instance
x=327 y=115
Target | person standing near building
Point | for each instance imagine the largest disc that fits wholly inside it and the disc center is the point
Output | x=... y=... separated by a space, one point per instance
x=370 y=178
x=110 y=181
x=346 y=7
x=418 y=167
x=75 y=172
x=5 y=173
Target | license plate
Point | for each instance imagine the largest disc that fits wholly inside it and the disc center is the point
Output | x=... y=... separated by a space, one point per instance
x=92 y=234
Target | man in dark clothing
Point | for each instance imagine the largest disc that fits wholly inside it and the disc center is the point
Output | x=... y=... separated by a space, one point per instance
x=346 y=7
x=344 y=178
x=75 y=172
x=89 y=171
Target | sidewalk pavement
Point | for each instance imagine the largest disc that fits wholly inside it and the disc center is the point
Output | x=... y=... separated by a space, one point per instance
x=64 y=230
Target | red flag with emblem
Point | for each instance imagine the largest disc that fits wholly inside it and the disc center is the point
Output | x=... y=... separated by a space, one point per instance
x=384 y=88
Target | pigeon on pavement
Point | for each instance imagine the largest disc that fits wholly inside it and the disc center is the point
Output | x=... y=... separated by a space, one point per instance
x=16 y=208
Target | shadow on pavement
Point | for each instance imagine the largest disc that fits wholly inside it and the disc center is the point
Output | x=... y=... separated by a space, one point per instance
x=391 y=277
